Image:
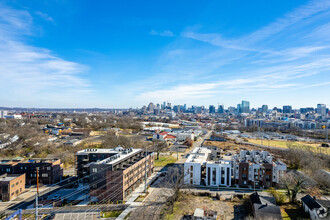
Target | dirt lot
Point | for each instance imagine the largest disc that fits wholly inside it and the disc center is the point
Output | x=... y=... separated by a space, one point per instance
x=225 y=209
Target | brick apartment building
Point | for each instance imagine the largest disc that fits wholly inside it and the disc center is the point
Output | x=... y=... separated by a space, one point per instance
x=113 y=174
x=50 y=170
x=11 y=185
x=257 y=169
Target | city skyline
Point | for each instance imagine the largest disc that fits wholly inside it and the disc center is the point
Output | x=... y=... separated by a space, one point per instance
x=126 y=54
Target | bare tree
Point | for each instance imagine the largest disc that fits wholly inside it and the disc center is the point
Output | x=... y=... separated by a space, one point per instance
x=158 y=146
x=174 y=182
x=293 y=186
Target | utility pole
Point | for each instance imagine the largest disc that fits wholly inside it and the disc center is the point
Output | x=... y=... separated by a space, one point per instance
x=146 y=175
x=38 y=180
x=177 y=153
x=37 y=193
x=36 y=207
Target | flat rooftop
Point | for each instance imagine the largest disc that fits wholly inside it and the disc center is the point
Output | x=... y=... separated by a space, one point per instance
x=198 y=155
x=97 y=151
x=119 y=156
x=9 y=177
x=32 y=160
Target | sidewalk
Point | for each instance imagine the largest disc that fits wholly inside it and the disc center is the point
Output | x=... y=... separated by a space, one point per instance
x=130 y=202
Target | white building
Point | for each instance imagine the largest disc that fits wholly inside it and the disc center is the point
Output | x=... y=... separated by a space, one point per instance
x=3 y=113
x=317 y=209
x=182 y=136
x=14 y=116
x=200 y=170
x=248 y=168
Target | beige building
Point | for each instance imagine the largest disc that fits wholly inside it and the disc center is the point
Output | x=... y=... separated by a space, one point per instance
x=11 y=185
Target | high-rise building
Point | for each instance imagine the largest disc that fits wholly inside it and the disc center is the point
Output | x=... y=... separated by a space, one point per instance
x=245 y=106
x=287 y=109
x=264 y=108
x=239 y=108
x=169 y=106
x=231 y=109
x=176 y=108
x=321 y=109
x=212 y=109
x=199 y=110
x=151 y=107
x=221 y=109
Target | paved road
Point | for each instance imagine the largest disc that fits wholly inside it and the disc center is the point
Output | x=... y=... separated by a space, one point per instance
x=158 y=193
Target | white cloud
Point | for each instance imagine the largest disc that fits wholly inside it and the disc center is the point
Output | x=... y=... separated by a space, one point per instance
x=32 y=75
x=165 y=33
x=270 y=59
x=45 y=16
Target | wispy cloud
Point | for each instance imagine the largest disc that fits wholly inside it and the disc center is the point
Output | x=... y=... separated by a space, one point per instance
x=45 y=16
x=272 y=58
x=165 y=33
x=32 y=75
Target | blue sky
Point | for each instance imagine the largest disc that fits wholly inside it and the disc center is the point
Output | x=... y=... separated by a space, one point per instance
x=111 y=54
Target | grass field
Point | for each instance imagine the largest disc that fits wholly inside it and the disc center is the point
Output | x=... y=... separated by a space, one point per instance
x=298 y=144
x=164 y=160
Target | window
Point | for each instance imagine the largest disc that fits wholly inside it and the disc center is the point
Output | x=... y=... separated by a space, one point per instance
x=94 y=170
x=8 y=170
x=44 y=175
x=13 y=185
x=222 y=175
x=49 y=168
x=191 y=168
x=214 y=175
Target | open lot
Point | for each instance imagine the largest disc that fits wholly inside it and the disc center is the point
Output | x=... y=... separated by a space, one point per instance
x=165 y=160
x=284 y=144
x=187 y=204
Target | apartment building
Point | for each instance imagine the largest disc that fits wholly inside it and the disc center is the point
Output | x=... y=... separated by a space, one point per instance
x=206 y=167
x=11 y=185
x=202 y=168
x=257 y=169
x=113 y=174
x=50 y=170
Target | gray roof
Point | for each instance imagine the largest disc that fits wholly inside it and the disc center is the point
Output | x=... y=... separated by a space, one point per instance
x=269 y=212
